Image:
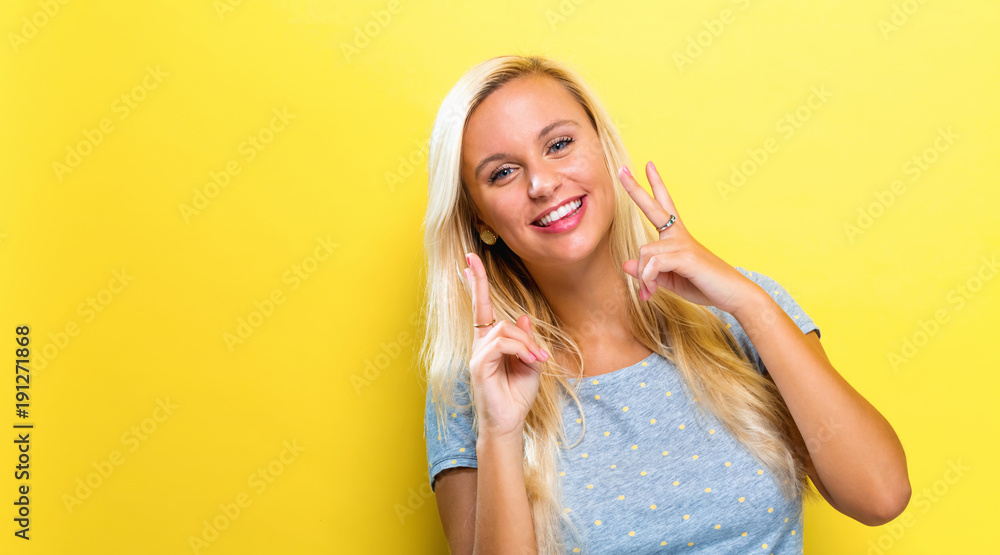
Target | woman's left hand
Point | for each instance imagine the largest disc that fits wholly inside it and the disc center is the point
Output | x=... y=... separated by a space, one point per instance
x=677 y=261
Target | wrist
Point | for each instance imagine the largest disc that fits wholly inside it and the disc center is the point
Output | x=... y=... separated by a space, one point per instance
x=501 y=441
x=759 y=315
x=755 y=301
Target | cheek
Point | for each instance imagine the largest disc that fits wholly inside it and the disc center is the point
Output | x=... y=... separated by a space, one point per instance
x=503 y=211
x=583 y=171
x=591 y=162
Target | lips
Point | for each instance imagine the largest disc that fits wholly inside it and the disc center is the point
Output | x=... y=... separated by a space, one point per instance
x=567 y=223
x=569 y=201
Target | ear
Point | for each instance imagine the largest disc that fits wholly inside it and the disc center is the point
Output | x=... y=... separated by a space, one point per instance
x=480 y=224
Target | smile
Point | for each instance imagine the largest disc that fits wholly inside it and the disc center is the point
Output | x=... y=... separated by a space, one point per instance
x=564 y=218
x=568 y=209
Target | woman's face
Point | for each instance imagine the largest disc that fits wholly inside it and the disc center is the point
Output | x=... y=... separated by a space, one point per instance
x=529 y=147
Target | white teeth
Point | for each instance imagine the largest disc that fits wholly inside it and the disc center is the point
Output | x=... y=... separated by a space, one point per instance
x=561 y=212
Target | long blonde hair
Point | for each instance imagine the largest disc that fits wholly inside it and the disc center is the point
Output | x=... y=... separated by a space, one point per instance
x=714 y=368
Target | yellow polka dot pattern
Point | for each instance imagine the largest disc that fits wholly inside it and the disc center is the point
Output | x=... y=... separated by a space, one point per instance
x=690 y=520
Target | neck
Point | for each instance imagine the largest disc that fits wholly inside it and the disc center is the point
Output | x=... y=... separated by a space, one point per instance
x=587 y=297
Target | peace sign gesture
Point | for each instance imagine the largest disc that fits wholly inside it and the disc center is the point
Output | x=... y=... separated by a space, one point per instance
x=677 y=261
x=505 y=365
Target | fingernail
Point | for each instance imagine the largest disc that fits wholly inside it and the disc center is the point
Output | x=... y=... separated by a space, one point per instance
x=467 y=261
x=544 y=353
x=626 y=171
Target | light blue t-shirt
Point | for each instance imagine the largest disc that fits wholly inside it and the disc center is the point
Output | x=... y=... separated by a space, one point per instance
x=647 y=477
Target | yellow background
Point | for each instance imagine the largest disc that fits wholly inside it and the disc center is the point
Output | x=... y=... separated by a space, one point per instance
x=360 y=83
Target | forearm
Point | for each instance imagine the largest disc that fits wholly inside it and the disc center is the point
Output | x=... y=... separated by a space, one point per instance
x=857 y=455
x=503 y=518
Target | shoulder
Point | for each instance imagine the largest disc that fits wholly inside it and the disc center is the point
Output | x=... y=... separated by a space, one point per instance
x=781 y=296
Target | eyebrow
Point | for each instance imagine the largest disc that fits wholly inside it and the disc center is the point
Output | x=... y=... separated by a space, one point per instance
x=541 y=134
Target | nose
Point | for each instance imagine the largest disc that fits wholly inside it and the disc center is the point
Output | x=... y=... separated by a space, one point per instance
x=543 y=183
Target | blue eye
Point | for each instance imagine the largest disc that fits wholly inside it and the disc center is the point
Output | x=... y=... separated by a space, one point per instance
x=496 y=173
x=566 y=140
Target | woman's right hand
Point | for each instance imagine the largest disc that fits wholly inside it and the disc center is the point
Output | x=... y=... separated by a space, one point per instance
x=505 y=364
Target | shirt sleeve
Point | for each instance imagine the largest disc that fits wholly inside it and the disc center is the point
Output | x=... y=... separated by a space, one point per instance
x=457 y=446
x=784 y=300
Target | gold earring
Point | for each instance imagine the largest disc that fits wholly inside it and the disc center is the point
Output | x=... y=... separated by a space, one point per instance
x=487 y=236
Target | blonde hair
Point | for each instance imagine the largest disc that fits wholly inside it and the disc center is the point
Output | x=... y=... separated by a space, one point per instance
x=714 y=368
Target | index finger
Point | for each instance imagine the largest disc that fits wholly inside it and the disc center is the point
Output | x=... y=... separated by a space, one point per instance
x=654 y=212
x=482 y=307
x=660 y=189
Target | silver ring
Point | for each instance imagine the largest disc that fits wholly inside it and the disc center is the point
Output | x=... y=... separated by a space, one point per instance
x=668 y=224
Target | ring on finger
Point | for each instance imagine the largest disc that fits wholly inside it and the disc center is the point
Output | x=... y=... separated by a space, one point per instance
x=475 y=325
x=668 y=224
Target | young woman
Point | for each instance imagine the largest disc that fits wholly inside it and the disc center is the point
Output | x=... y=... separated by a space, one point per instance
x=600 y=381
